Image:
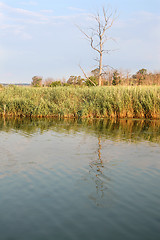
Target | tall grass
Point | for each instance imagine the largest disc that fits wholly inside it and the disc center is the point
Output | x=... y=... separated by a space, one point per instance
x=70 y=102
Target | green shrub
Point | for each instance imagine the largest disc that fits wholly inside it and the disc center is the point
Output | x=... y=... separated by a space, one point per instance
x=56 y=83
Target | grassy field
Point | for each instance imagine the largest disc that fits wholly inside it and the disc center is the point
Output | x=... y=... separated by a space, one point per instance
x=71 y=102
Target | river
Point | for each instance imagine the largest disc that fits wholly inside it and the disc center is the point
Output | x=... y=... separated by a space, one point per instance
x=74 y=179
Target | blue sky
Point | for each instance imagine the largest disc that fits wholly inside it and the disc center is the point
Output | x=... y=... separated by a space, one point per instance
x=39 y=37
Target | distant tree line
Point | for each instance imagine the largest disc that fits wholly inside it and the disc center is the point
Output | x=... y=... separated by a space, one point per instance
x=109 y=78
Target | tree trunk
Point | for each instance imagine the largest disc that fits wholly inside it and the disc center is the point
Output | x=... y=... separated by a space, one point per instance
x=100 y=64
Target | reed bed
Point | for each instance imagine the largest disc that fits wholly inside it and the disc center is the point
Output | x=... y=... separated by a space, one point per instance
x=81 y=102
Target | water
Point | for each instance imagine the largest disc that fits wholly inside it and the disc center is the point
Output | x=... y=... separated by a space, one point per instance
x=79 y=179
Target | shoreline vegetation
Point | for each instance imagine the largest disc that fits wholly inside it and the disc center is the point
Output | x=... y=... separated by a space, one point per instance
x=81 y=102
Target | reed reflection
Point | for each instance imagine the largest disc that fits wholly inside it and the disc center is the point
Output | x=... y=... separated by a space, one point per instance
x=102 y=129
x=116 y=130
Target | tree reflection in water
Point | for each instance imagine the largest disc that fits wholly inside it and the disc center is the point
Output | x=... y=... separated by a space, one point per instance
x=100 y=180
x=130 y=130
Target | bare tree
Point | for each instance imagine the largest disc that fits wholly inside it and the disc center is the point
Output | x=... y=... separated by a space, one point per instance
x=97 y=35
x=48 y=81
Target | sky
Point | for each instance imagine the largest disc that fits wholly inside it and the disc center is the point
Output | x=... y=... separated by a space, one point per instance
x=41 y=38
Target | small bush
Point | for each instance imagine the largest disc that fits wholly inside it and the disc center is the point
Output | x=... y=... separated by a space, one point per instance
x=56 y=83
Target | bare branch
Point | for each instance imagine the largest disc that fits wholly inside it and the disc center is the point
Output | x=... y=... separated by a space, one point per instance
x=96 y=59
x=108 y=51
x=96 y=49
x=105 y=40
x=83 y=32
x=90 y=38
x=108 y=66
x=97 y=35
x=86 y=76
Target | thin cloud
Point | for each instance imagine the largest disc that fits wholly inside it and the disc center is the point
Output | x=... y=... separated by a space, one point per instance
x=46 y=11
x=76 y=9
x=15 y=30
x=27 y=16
x=26 y=13
x=19 y=21
x=2 y=4
x=31 y=3
x=17 y=12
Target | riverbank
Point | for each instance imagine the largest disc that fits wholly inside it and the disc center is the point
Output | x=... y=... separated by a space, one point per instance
x=85 y=102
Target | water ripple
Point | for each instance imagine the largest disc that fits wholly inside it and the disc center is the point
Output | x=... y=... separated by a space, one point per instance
x=76 y=186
